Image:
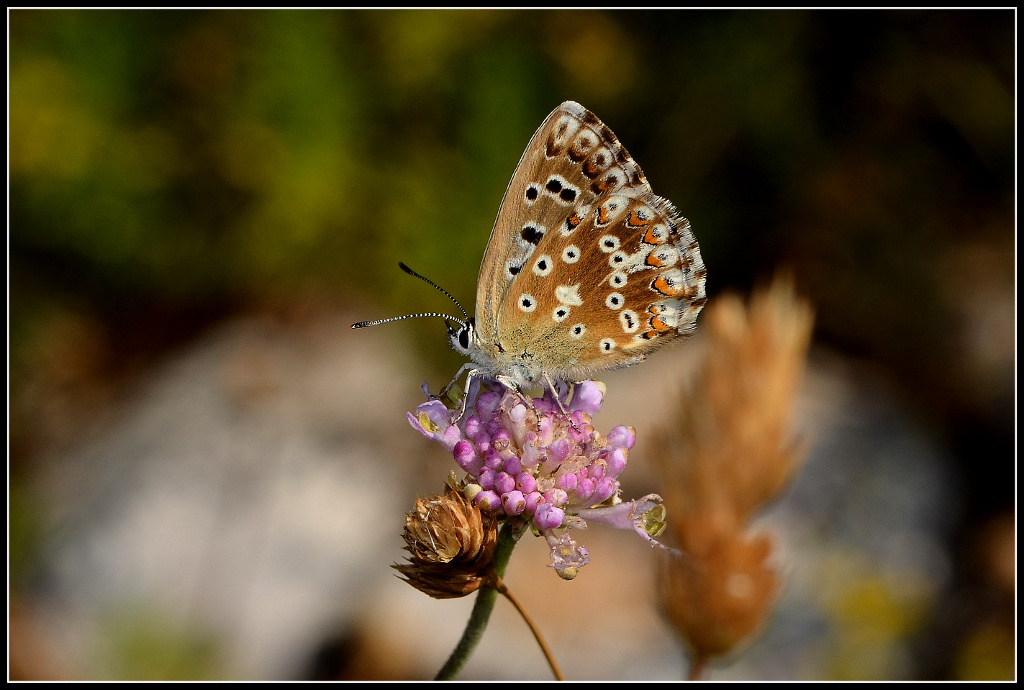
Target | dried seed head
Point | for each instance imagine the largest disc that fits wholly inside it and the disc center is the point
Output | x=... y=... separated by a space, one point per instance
x=729 y=451
x=450 y=545
x=719 y=598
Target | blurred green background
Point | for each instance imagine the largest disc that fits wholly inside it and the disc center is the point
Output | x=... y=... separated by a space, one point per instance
x=171 y=169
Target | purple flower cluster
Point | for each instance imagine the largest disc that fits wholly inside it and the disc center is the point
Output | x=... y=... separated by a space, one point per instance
x=525 y=459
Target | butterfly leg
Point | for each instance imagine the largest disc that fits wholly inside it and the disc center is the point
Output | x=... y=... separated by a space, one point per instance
x=558 y=398
x=508 y=382
x=475 y=373
x=458 y=375
x=466 y=394
x=513 y=386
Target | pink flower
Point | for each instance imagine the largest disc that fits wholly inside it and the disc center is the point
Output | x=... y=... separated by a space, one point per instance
x=526 y=460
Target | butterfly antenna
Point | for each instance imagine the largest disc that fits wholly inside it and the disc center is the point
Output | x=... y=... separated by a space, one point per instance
x=428 y=281
x=446 y=317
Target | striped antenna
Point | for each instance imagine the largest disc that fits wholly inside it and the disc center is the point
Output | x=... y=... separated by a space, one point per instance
x=428 y=281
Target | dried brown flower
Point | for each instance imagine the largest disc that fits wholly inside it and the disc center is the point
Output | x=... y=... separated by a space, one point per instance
x=450 y=545
x=729 y=451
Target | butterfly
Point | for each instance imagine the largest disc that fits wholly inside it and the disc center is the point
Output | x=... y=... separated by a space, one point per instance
x=586 y=269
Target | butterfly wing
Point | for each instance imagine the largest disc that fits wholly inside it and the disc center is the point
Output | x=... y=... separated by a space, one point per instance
x=528 y=211
x=586 y=268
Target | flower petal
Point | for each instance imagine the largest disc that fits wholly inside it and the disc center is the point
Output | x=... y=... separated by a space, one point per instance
x=645 y=516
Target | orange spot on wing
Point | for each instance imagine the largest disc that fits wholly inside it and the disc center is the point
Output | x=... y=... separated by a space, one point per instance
x=665 y=287
x=654 y=260
x=636 y=220
x=651 y=238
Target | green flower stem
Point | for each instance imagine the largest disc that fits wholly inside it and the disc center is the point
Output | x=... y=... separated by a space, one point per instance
x=485 y=598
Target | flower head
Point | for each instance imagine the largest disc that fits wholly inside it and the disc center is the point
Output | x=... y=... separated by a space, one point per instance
x=526 y=460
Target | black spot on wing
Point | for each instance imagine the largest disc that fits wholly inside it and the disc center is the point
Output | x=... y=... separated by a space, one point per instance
x=531 y=234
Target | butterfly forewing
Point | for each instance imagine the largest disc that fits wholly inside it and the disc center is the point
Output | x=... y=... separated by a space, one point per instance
x=571 y=160
x=586 y=268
